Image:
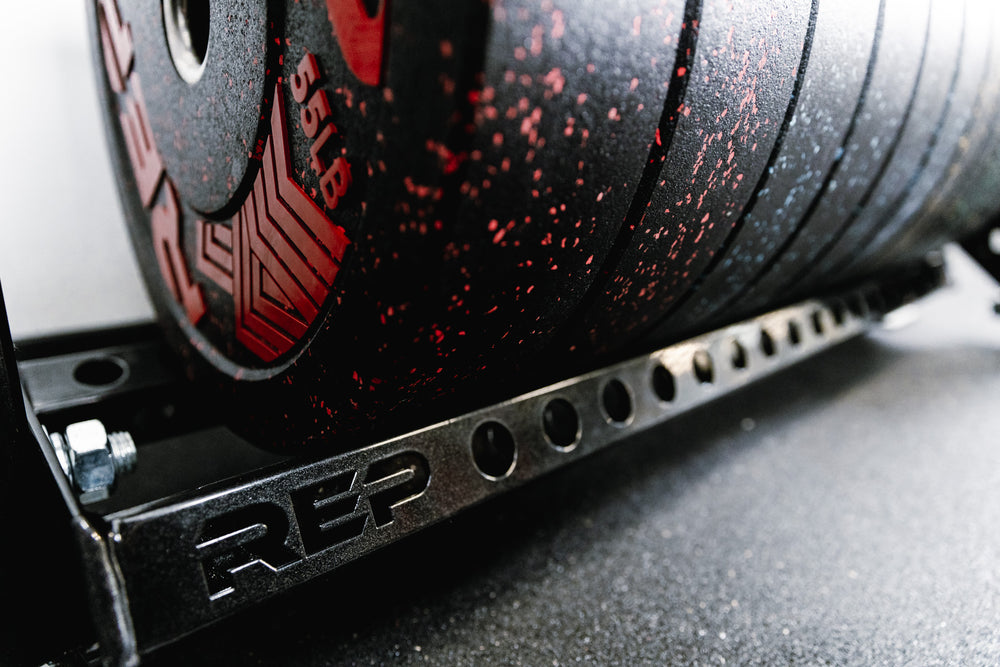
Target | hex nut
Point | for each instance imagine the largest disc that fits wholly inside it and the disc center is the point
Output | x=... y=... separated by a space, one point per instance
x=90 y=455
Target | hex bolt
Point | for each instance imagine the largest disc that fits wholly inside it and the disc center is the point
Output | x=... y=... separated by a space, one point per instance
x=93 y=458
x=123 y=451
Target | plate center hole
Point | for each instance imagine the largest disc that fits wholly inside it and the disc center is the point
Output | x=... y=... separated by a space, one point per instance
x=187 y=25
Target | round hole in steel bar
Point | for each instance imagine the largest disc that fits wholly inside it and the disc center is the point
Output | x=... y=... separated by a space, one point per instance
x=839 y=313
x=794 y=333
x=100 y=372
x=817 y=320
x=617 y=402
x=875 y=303
x=187 y=24
x=993 y=241
x=493 y=450
x=739 y=355
x=856 y=304
x=664 y=384
x=704 y=369
x=561 y=423
x=767 y=343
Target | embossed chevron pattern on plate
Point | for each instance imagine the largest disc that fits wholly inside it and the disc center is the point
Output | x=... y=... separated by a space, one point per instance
x=286 y=256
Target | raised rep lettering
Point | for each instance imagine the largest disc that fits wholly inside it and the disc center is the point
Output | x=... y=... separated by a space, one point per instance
x=394 y=481
x=251 y=535
x=116 y=40
x=147 y=165
x=166 y=222
x=337 y=509
x=327 y=513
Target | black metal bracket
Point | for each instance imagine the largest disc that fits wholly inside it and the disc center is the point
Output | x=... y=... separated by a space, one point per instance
x=42 y=573
x=984 y=247
x=150 y=564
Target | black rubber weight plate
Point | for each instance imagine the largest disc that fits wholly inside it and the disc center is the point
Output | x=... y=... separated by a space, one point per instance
x=359 y=217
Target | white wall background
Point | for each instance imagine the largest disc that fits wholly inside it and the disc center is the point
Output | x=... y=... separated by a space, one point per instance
x=65 y=260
